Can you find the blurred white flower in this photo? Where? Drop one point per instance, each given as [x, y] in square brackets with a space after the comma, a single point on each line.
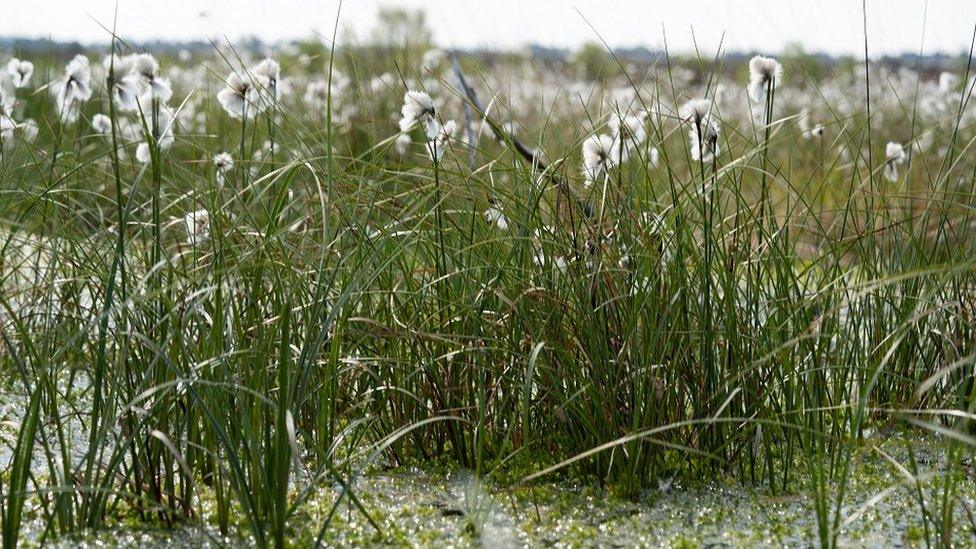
[495, 217]
[101, 124]
[20, 72]
[721, 90]
[628, 133]
[894, 156]
[418, 108]
[948, 82]
[142, 153]
[443, 137]
[653, 157]
[161, 126]
[598, 156]
[806, 130]
[72, 89]
[624, 262]
[224, 162]
[239, 98]
[319, 92]
[696, 110]
[125, 86]
[7, 122]
[924, 142]
[197, 224]
[28, 128]
[630, 128]
[540, 259]
[383, 82]
[146, 68]
[704, 141]
[267, 73]
[129, 129]
[7, 127]
[704, 131]
[765, 73]
[316, 94]
[160, 123]
[402, 144]
[69, 112]
[432, 60]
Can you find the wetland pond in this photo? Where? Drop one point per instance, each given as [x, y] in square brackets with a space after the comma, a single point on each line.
[446, 506]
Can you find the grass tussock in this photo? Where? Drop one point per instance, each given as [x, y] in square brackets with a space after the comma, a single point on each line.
[223, 295]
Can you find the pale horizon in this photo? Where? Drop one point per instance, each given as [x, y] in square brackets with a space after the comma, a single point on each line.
[832, 26]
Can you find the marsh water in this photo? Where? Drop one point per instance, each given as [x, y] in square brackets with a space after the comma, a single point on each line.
[416, 508]
[448, 506]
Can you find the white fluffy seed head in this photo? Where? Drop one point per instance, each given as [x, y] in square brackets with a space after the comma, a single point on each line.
[239, 98]
[704, 131]
[894, 152]
[20, 72]
[268, 70]
[704, 140]
[443, 136]
[418, 108]
[142, 153]
[197, 224]
[894, 156]
[806, 129]
[630, 128]
[496, 217]
[145, 65]
[72, 88]
[765, 73]
[101, 124]
[117, 66]
[402, 143]
[696, 110]
[598, 156]
[224, 162]
[267, 73]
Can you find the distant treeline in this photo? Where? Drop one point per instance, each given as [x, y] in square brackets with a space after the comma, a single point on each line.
[640, 54]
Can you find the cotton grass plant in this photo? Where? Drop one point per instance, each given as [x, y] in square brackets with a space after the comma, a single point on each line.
[236, 338]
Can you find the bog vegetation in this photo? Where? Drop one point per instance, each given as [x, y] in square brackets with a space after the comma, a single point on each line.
[232, 281]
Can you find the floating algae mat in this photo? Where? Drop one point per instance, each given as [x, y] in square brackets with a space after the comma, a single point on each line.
[417, 507]
[448, 506]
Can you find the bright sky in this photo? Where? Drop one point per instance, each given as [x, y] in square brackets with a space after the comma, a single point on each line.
[831, 26]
